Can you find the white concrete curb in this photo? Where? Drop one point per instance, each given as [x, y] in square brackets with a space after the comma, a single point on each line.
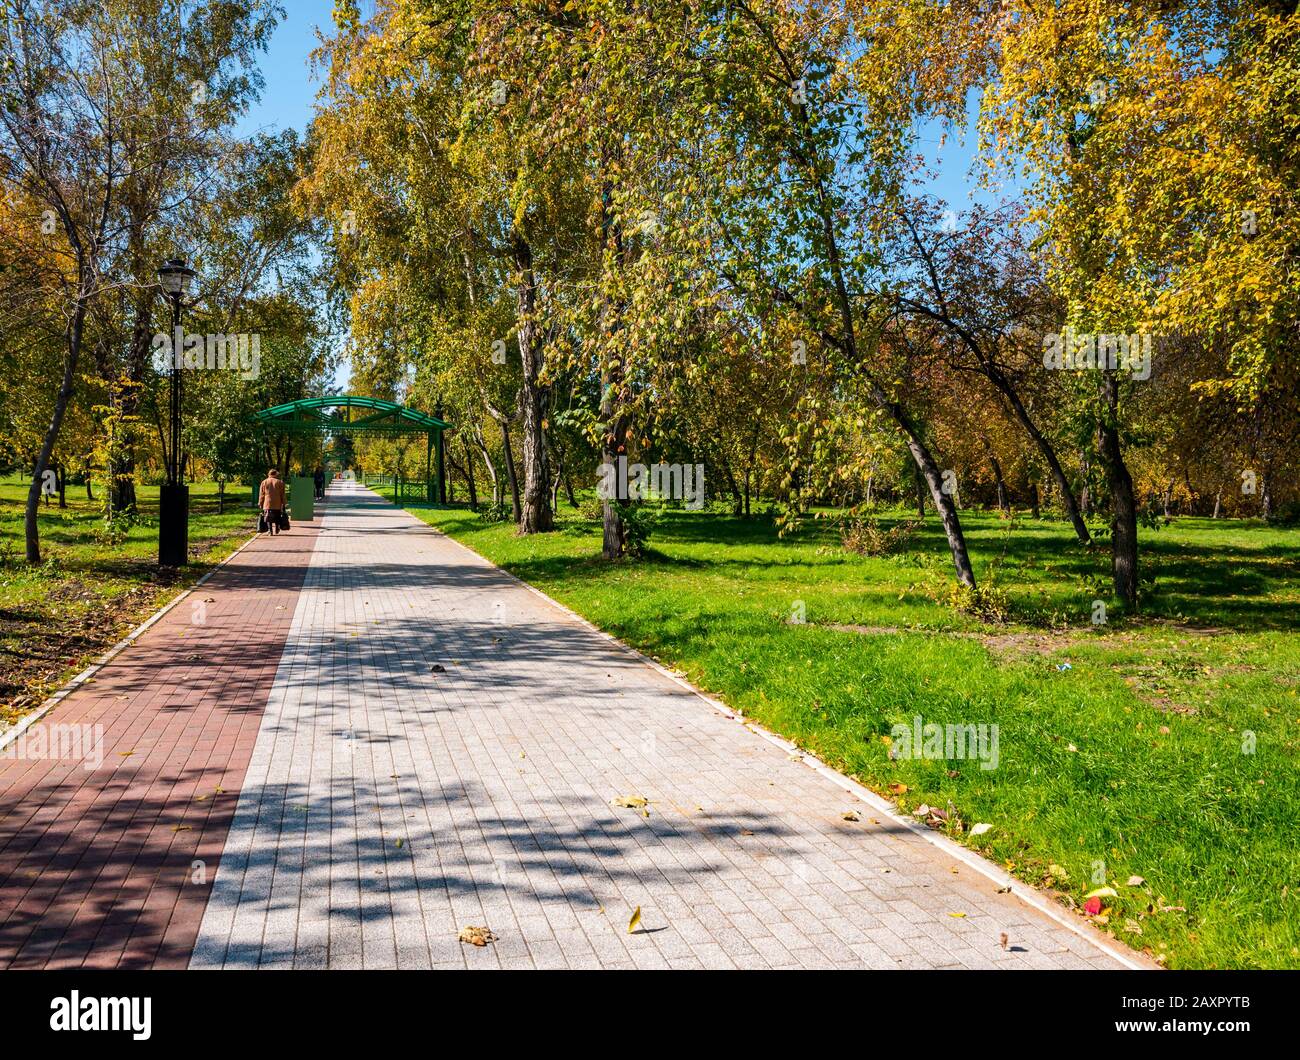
[12, 733]
[1027, 894]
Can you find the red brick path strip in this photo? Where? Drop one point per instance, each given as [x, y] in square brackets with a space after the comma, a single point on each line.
[98, 867]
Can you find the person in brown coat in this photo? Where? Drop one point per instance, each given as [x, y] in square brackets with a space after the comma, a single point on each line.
[270, 498]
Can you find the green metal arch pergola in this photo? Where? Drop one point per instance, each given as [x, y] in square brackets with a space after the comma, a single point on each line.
[331, 415]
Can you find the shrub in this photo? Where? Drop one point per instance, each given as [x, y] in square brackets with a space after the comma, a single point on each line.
[866, 538]
[638, 524]
[987, 602]
[115, 529]
[496, 512]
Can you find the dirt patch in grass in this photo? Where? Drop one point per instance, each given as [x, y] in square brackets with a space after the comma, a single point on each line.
[868, 631]
[39, 649]
[1020, 645]
[1003, 644]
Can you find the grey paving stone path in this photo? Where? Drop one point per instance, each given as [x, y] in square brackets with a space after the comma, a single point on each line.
[387, 805]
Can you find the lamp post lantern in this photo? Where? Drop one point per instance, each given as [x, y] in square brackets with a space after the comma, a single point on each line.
[174, 277]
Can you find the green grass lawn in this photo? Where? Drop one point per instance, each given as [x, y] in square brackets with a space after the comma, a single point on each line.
[1162, 747]
[89, 591]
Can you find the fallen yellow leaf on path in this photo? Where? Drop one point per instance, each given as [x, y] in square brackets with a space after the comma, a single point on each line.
[476, 936]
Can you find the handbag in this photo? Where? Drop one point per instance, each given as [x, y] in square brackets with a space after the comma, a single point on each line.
[261, 523]
[284, 519]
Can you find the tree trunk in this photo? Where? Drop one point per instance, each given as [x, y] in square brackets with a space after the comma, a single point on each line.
[849, 344]
[943, 504]
[928, 470]
[612, 438]
[491, 467]
[555, 486]
[1045, 448]
[612, 531]
[221, 496]
[612, 445]
[510, 469]
[537, 516]
[1124, 543]
[568, 489]
[737, 500]
[996, 468]
[558, 476]
[1218, 503]
[469, 473]
[61, 476]
[920, 494]
[76, 331]
[614, 424]
[751, 461]
[1033, 498]
[119, 463]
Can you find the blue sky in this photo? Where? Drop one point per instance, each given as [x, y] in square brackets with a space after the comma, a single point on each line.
[290, 94]
[951, 161]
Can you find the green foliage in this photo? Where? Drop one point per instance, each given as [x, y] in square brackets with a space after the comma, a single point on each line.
[985, 601]
[639, 522]
[495, 512]
[116, 527]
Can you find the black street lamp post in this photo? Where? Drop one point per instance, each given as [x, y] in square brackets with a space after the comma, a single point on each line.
[174, 276]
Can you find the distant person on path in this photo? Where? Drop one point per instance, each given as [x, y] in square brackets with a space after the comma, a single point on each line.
[270, 498]
[319, 477]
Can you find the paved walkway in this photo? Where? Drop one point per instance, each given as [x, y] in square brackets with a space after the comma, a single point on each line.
[441, 746]
[114, 807]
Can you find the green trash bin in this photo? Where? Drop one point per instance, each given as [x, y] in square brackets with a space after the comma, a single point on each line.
[302, 498]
